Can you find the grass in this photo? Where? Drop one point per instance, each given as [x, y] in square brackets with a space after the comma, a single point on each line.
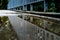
[7, 32]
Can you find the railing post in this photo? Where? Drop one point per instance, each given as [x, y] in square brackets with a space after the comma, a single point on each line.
[31, 7]
[24, 7]
[45, 6]
[23, 16]
[31, 19]
[45, 35]
[45, 24]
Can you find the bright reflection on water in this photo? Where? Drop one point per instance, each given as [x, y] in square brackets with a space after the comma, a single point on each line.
[8, 13]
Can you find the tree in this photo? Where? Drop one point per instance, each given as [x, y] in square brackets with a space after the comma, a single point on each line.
[3, 4]
[57, 5]
[51, 5]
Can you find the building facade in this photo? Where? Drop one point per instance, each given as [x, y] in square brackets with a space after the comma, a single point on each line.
[28, 5]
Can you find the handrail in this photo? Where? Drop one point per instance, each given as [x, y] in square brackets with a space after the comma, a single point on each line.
[51, 14]
[42, 16]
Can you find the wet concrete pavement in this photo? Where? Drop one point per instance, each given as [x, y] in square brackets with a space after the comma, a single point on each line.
[24, 29]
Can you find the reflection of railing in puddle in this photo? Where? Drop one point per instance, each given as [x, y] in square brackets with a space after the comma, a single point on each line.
[48, 29]
[48, 24]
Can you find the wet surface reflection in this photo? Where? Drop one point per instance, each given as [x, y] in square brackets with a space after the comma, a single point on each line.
[48, 24]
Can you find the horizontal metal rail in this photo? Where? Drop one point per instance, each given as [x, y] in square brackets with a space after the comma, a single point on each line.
[42, 16]
[50, 14]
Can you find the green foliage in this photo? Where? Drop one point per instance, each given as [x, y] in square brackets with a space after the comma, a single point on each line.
[3, 4]
[3, 20]
[7, 32]
[52, 7]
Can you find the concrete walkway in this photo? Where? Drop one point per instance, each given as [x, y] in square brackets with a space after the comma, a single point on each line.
[23, 28]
